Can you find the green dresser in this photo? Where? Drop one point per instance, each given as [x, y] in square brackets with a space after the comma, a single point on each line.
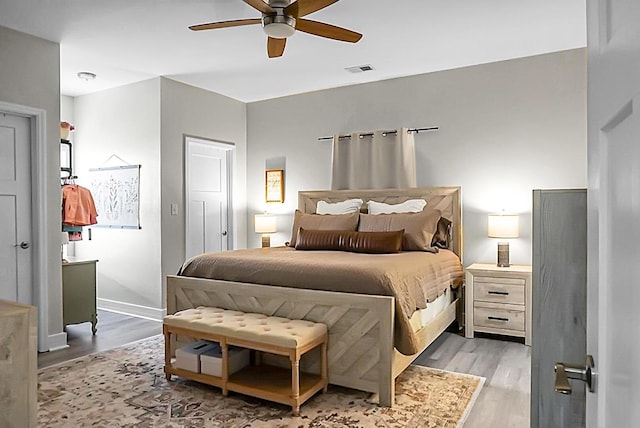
[79, 292]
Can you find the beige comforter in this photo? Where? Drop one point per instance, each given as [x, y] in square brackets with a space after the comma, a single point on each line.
[414, 278]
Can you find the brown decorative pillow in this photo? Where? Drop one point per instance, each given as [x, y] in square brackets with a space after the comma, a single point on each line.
[322, 222]
[442, 237]
[419, 228]
[356, 242]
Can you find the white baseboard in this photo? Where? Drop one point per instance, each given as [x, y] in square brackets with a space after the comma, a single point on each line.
[139, 311]
[57, 341]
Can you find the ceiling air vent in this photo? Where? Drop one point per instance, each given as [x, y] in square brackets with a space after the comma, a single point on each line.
[360, 68]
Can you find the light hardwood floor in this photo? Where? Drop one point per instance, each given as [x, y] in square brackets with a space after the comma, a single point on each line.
[113, 330]
[506, 365]
[503, 402]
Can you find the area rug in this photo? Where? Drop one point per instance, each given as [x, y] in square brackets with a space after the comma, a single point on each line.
[126, 387]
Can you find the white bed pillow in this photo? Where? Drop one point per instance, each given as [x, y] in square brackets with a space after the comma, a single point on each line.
[344, 207]
[410, 206]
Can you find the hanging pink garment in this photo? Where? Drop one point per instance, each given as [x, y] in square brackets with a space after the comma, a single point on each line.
[78, 208]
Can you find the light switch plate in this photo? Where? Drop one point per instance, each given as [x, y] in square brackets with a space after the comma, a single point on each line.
[174, 209]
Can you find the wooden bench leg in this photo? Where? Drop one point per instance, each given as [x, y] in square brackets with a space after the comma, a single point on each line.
[295, 384]
[225, 367]
[325, 367]
[167, 352]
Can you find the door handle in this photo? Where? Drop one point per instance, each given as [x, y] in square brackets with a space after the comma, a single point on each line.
[224, 233]
[566, 371]
[24, 245]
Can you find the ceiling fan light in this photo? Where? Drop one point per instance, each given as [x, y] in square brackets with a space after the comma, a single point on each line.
[279, 26]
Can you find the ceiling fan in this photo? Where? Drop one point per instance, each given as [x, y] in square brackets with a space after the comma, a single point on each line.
[281, 18]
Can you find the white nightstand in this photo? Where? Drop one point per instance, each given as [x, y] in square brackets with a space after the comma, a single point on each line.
[498, 300]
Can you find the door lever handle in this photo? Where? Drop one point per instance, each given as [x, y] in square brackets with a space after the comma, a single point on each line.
[24, 245]
[562, 381]
[566, 371]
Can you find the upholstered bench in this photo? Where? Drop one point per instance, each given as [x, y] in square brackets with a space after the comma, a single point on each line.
[274, 335]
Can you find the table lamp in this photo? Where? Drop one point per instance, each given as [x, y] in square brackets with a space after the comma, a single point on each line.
[503, 226]
[265, 224]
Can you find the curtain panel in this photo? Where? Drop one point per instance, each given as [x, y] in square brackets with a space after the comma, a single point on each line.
[378, 160]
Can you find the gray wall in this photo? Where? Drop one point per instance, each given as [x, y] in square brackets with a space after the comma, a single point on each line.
[505, 128]
[145, 123]
[187, 110]
[67, 111]
[30, 76]
[124, 122]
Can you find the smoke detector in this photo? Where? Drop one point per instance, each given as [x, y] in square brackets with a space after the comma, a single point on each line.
[86, 76]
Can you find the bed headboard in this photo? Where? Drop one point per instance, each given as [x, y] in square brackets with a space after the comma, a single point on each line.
[446, 199]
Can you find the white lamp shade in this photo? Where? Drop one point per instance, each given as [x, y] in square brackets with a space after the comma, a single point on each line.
[504, 226]
[265, 223]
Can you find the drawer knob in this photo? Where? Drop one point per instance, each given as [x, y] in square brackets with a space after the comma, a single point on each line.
[498, 319]
[500, 293]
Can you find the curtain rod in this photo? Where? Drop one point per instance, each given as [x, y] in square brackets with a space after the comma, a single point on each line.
[395, 131]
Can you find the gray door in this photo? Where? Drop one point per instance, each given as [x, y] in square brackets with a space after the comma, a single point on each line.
[15, 209]
[559, 297]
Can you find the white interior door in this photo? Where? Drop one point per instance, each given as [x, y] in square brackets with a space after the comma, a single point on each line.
[613, 321]
[15, 209]
[207, 181]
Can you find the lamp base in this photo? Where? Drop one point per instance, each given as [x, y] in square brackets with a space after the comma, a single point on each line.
[266, 241]
[503, 254]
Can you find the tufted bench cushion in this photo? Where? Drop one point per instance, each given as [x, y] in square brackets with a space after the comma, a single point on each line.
[248, 326]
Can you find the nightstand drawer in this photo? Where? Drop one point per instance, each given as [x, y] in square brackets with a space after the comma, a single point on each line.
[508, 319]
[499, 290]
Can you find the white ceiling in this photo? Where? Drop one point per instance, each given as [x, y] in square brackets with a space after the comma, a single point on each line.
[124, 41]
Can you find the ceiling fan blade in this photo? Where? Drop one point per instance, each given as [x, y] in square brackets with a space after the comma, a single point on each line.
[327, 30]
[225, 24]
[305, 7]
[275, 47]
[260, 5]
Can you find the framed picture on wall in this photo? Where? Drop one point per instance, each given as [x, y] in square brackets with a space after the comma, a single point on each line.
[116, 192]
[274, 185]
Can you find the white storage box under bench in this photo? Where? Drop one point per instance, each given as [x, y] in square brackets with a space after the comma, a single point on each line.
[211, 360]
[188, 356]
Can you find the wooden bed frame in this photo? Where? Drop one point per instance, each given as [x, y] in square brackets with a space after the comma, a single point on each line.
[361, 327]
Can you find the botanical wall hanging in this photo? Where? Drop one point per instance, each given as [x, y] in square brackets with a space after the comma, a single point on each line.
[116, 192]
